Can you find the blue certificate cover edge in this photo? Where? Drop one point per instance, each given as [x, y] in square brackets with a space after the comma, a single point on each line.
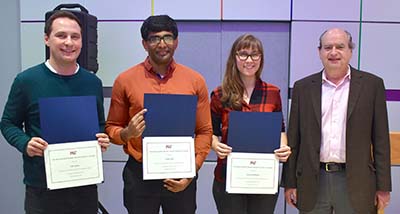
[68, 118]
[255, 132]
[170, 114]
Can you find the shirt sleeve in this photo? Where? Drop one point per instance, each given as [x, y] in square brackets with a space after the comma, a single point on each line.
[100, 106]
[216, 112]
[118, 115]
[380, 139]
[13, 117]
[203, 131]
[279, 108]
[289, 179]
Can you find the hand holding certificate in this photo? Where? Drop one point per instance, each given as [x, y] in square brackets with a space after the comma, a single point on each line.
[168, 157]
[252, 167]
[252, 173]
[73, 164]
[73, 156]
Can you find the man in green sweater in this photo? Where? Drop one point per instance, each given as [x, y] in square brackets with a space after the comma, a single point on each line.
[59, 76]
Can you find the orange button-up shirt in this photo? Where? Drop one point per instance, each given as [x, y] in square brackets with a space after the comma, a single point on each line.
[128, 95]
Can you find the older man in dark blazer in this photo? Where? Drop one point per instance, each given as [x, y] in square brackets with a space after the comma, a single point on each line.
[338, 132]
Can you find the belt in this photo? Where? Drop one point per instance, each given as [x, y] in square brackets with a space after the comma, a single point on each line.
[333, 167]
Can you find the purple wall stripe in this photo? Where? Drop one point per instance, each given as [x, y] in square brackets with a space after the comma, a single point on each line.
[393, 95]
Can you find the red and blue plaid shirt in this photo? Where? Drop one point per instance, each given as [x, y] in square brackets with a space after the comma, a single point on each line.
[265, 98]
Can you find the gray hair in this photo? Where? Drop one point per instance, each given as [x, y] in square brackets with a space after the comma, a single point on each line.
[350, 38]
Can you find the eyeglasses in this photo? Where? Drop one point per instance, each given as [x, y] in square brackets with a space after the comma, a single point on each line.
[243, 56]
[155, 40]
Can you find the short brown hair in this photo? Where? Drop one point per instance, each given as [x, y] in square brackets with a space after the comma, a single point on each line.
[60, 14]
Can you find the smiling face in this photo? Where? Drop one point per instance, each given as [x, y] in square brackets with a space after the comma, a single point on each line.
[64, 41]
[335, 52]
[160, 48]
[248, 61]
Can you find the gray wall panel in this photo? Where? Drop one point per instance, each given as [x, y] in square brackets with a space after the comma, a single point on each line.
[200, 48]
[119, 9]
[379, 52]
[394, 115]
[383, 10]
[110, 192]
[34, 10]
[189, 10]
[32, 36]
[257, 10]
[119, 48]
[339, 10]
[12, 189]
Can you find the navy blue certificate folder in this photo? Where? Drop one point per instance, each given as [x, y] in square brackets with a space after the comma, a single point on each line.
[255, 132]
[68, 119]
[169, 115]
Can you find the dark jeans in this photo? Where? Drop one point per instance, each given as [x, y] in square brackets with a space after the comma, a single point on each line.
[77, 200]
[146, 196]
[242, 203]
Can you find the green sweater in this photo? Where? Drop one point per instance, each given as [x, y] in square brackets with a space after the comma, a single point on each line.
[20, 121]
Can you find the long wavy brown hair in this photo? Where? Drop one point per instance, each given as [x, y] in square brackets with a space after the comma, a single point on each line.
[232, 85]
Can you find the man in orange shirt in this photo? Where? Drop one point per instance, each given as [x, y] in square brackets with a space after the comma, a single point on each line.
[159, 73]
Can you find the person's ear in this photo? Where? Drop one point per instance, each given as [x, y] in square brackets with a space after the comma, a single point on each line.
[46, 40]
[176, 43]
[145, 45]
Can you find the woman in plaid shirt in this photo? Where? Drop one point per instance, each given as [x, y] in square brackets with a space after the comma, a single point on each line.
[242, 90]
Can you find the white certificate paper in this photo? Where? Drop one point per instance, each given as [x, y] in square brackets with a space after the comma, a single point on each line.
[168, 157]
[73, 164]
[252, 173]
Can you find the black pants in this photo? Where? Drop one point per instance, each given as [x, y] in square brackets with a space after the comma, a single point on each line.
[77, 200]
[146, 196]
[242, 203]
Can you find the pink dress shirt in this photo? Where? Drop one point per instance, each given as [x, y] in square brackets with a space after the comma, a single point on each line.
[334, 115]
